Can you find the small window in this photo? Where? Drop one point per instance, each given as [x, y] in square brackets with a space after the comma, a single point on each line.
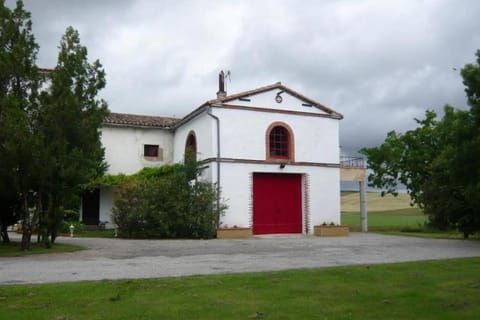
[151, 150]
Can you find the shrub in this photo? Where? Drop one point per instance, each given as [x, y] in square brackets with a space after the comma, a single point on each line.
[71, 215]
[164, 203]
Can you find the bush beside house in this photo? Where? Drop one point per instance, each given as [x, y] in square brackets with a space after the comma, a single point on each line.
[167, 202]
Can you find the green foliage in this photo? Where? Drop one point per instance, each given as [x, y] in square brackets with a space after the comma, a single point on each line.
[404, 158]
[471, 80]
[164, 203]
[19, 83]
[448, 198]
[70, 115]
[108, 180]
[158, 172]
[115, 180]
[49, 138]
[71, 215]
[438, 162]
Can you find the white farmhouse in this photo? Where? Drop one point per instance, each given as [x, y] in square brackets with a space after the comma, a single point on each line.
[273, 152]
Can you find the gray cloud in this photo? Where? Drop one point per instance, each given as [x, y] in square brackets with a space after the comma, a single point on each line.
[379, 63]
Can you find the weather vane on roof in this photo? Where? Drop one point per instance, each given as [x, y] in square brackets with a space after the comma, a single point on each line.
[228, 75]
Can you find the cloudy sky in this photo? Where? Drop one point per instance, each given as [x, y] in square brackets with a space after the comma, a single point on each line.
[379, 63]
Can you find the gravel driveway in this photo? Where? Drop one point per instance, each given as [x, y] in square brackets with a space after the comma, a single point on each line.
[122, 259]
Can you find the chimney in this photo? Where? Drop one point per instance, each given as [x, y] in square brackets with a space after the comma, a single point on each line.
[221, 85]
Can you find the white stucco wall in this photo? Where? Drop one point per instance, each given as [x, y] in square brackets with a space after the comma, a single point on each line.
[243, 135]
[204, 127]
[124, 147]
[267, 100]
[323, 193]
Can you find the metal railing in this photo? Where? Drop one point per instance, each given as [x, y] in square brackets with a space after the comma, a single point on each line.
[352, 162]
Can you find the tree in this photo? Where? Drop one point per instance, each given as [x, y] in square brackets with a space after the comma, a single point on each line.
[49, 142]
[70, 152]
[19, 81]
[438, 162]
[404, 158]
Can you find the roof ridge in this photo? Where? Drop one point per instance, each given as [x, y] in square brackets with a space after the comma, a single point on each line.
[142, 115]
[276, 85]
[245, 93]
[130, 119]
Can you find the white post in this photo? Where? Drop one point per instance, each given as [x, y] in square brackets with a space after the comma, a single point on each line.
[363, 206]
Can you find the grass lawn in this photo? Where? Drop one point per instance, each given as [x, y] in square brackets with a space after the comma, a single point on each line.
[12, 249]
[443, 289]
[394, 219]
[108, 233]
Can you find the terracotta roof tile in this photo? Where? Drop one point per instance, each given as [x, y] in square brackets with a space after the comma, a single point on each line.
[140, 120]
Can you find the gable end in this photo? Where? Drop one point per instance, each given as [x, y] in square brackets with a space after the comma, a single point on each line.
[276, 86]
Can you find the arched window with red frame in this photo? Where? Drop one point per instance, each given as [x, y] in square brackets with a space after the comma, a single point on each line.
[279, 142]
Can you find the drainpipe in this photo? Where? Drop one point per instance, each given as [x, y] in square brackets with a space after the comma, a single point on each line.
[217, 120]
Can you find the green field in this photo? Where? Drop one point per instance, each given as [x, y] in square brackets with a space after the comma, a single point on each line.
[350, 202]
[444, 289]
[387, 213]
[392, 215]
[403, 219]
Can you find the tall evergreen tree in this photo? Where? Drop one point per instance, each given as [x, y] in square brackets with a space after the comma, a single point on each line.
[69, 121]
[19, 82]
[49, 142]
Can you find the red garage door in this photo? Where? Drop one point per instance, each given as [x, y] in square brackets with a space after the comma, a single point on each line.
[277, 203]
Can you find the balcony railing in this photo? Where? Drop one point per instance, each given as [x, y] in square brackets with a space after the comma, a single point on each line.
[352, 162]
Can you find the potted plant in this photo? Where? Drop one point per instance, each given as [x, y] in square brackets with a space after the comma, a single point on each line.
[330, 230]
[234, 232]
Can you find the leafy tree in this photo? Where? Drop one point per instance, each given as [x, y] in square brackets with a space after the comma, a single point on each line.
[438, 162]
[404, 158]
[19, 82]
